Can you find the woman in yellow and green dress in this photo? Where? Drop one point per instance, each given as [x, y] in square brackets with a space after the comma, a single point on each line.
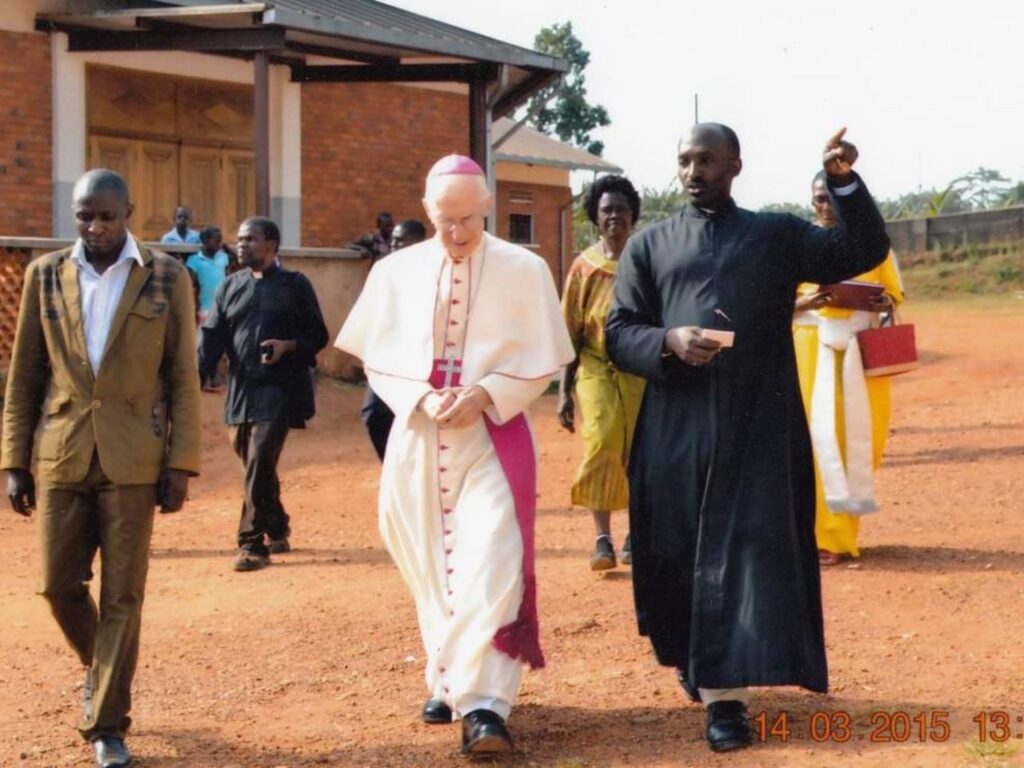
[609, 399]
[836, 530]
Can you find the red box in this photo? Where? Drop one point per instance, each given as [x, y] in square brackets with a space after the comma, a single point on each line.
[888, 350]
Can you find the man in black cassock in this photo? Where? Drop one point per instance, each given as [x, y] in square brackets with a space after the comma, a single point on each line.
[725, 566]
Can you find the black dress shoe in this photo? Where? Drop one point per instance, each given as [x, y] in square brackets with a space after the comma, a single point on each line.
[484, 733]
[728, 726]
[436, 712]
[110, 752]
[691, 692]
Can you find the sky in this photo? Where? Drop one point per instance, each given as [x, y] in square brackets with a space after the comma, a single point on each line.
[928, 91]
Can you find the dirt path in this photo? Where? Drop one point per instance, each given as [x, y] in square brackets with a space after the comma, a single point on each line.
[317, 660]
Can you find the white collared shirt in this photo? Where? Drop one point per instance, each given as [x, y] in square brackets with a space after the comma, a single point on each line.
[101, 294]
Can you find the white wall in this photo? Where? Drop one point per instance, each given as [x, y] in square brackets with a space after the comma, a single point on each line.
[20, 15]
[70, 137]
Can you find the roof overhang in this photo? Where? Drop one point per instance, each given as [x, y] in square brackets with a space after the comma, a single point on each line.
[569, 165]
[372, 43]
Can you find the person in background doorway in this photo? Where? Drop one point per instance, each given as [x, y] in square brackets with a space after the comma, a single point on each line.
[181, 233]
[209, 264]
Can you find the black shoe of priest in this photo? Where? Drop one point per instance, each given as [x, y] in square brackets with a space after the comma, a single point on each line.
[728, 726]
[436, 712]
[484, 733]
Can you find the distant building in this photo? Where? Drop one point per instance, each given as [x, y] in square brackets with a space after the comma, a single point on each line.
[533, 195]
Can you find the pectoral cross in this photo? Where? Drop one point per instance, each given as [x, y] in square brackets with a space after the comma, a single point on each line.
[451, 368]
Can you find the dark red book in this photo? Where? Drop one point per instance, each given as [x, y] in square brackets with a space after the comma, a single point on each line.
[853, 294]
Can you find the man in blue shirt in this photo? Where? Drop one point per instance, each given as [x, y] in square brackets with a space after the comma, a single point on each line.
[181, 234]
[209, 265]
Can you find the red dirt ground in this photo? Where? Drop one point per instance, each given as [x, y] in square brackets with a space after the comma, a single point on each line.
[317, 660]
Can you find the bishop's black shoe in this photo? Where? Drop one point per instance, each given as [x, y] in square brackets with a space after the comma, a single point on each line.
[728, 726]
[484, 733]
[436, 712]
[691, 692]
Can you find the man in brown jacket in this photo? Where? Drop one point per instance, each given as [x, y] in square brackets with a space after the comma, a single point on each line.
[104, 357]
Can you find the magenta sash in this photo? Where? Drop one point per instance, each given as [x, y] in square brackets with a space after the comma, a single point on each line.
[514, 446]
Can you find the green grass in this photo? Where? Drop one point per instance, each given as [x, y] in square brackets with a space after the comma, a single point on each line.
[992, 754]
[983, 270]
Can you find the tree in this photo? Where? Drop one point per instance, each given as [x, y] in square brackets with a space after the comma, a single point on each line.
[926, 203]
[983, 188]
[800, 211]
[660, 204]
[563, 109]
[1013, 196]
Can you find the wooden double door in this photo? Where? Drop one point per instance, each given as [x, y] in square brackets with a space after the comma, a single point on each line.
[178, 141]
[218, 184]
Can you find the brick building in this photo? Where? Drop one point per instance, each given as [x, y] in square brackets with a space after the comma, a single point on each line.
[168, 92]
[319, 113]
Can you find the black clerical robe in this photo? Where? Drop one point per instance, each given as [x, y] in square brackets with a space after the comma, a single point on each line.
[725, 566]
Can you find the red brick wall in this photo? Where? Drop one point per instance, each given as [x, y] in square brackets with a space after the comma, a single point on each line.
[547, 201]
[367, 148]
[26, 161]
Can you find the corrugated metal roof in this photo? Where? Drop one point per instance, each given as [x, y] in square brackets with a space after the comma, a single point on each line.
[375, 22]
[379, 38]
[528, 145]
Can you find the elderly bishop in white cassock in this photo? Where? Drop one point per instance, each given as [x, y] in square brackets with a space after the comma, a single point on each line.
[458, 335]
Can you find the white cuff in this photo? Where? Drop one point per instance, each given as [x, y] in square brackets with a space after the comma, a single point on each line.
[849, 189]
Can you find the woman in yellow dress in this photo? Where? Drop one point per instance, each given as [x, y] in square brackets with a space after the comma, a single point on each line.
[609, 399]
[835, 530]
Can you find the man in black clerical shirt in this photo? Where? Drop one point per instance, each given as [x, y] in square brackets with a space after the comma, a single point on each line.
[725, 565]
[375, 413]
[267, 319]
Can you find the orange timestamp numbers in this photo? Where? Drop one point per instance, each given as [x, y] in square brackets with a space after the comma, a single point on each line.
[839, 726]
[998, 725]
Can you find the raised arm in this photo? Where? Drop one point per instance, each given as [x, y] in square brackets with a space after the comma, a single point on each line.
[859, 241]
[856, 244]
